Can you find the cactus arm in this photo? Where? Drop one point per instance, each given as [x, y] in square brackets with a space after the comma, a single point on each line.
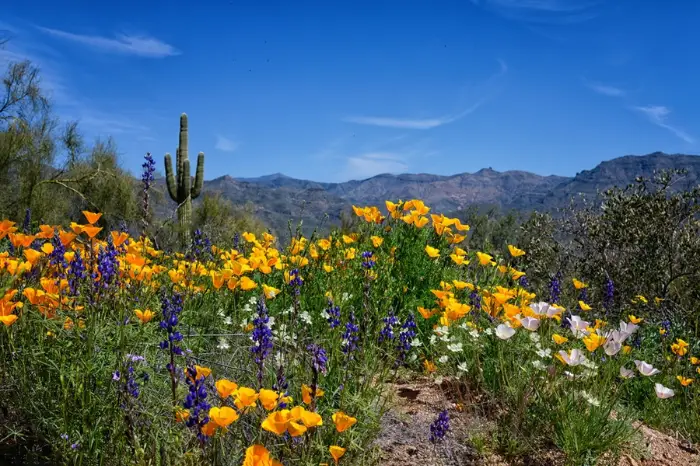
[170, 178]
[199, 177]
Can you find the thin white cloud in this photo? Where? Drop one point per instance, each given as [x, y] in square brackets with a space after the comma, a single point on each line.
[224, 144]
[142, 46]
[407, 123]
[605, 89]
[658, 114]
[541, 5]
[543, 11]
[429, 123]
[373, 163]
[55, 80]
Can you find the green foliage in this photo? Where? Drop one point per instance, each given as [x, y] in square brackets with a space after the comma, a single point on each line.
[646, 238]
[219, 219]
[31, 147]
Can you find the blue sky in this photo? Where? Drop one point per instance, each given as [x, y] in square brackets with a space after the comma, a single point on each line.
[340, 90]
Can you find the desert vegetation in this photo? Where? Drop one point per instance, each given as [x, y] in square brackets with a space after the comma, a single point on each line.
[130, 336]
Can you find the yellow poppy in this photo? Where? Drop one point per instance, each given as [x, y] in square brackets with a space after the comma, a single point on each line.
[223, 417]
[92, 217]
[342, 421]
[144, 316]
[336, 452]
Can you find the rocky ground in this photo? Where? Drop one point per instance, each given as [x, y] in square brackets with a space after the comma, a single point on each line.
[404, 438]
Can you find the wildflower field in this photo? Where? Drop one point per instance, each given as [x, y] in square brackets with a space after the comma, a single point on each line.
[115, 352]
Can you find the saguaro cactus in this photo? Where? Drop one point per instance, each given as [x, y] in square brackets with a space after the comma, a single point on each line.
[180, 184]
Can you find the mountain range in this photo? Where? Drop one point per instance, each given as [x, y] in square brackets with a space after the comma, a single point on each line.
[277, 198]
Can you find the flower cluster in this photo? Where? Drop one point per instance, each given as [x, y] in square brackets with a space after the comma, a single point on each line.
[76, 273]
[333, 313]
[319, 358]
[130, 385]
[107, 265]
[367, 261]
[295, 281]
[201, 246]
[350, 337]
[261, 336]
[475, 300]
[387, 332]
[440, 427]
[147, 177]
[196, 403]
[555, 288]
[171, 308]
[57, 257]
[406, 335]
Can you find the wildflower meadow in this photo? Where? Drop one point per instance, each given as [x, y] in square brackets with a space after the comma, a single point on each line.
[116, 352]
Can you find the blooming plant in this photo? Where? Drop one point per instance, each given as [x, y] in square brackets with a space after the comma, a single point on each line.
[263, 354]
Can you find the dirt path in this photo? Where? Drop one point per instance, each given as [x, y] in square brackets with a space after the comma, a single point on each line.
[404, 438]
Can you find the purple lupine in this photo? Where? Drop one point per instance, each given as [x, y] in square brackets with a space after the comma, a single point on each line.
[524, 282]
[555, 288]
[201, 247]
[319, 358]
[281, 385]
[475, 300]
[609, 297]
[295, 281]
[333, 314]
[406, 335]
[262, 337]
[129, 385]
[387, 333]
[666, 325]
[27, 221]
[196, 403]
[319, 362]
[57, 257]
[439, 427]
[76, 273]
[171, 308]
[147, 177]
[367, 262]
[350, 337]
[107, 265]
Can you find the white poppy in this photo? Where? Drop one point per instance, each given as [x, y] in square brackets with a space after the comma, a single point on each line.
[628, 328]
[574, 358]
[645, 368]
[540, 308]
[626, 373]
[663, 392]
[612, 347]
[505, 331]
[578, 326]
[530, 323]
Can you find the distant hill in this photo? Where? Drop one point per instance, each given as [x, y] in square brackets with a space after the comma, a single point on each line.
[278, 198]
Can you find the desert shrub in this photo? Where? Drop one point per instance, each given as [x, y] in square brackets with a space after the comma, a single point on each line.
[646, 239]
[219, 219]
